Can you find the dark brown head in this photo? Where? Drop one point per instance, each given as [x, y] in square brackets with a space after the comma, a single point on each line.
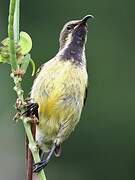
[72, 40]
[74, 31]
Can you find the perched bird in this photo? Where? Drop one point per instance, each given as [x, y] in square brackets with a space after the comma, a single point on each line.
[60, 90]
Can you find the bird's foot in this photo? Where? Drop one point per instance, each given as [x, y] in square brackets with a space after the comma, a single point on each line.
[37, 167]
[19, 104]
[31, 110]
[17, 117]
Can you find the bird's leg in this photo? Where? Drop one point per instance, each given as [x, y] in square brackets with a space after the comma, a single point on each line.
[41, 165]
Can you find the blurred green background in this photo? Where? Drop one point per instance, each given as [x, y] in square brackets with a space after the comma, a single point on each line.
[103, 144]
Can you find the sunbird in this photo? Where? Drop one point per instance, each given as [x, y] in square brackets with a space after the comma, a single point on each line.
[60, 90]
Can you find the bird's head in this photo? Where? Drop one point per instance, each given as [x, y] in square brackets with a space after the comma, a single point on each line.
[74, 31]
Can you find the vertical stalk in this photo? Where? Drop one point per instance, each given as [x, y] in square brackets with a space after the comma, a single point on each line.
[16, 21]
[13, 33]
[28, 154]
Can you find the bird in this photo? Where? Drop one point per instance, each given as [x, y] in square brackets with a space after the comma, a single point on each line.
[59, 91]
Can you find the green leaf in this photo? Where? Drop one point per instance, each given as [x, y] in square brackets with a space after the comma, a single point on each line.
[25, 43]
[27, 59]
[5, 42]
[4, 58]
[33, 67]
[25, 63]
[1, 59]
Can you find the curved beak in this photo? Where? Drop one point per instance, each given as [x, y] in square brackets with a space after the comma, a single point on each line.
[84, 20]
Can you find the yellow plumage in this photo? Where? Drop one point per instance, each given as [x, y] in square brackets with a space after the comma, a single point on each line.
[59, 90]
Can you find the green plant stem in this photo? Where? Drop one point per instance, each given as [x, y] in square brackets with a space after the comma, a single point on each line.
[16, 21]
[11, 35]
[27, 126]
[13, 28]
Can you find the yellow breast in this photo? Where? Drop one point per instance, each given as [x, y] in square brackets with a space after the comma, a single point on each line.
[59, 90]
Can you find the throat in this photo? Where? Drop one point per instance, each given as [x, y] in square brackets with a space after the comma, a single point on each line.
[73, 51]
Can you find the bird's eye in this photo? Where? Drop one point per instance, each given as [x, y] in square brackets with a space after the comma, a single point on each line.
[69, 28]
